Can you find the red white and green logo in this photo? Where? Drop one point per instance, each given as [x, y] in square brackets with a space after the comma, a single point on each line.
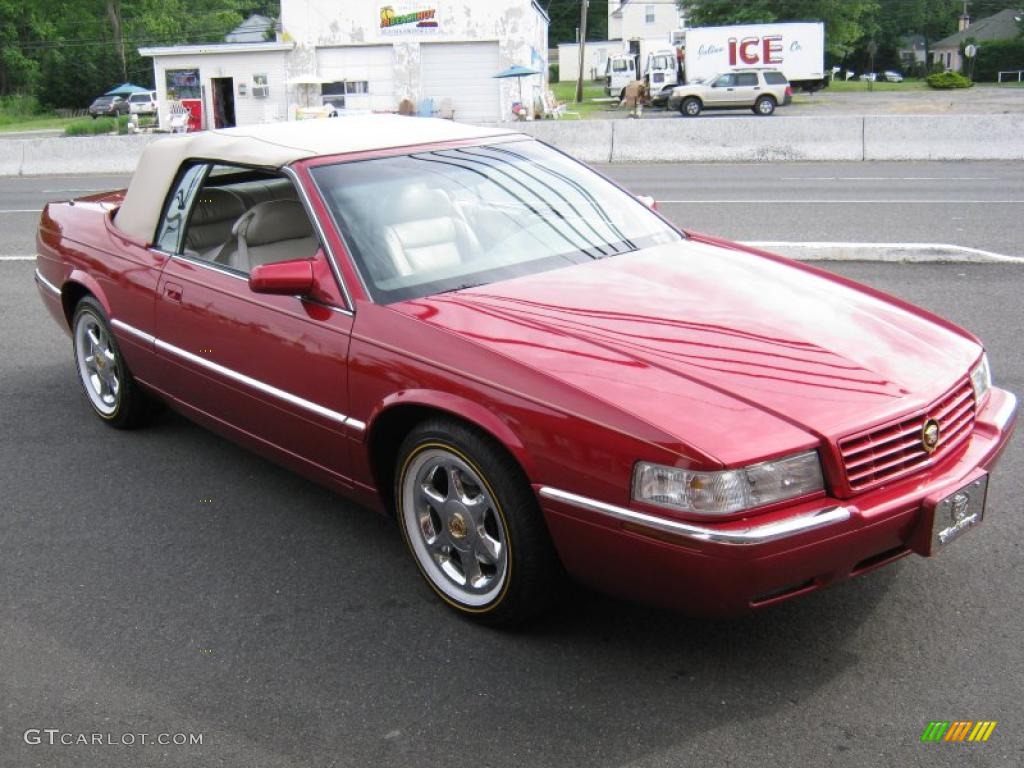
[958, 730]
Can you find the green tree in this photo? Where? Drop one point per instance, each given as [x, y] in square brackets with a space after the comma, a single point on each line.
[66, 52]
[846, 21]
[565, 20]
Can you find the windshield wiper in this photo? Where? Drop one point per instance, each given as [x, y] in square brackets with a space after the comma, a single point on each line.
[462, 287]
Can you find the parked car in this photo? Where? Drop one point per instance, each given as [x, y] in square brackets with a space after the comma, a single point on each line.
[108, 106]
[760, 90]
[892, 77]
[143, 103]
[530, 368]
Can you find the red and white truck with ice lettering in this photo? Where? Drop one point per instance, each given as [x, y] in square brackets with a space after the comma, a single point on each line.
[797, 50]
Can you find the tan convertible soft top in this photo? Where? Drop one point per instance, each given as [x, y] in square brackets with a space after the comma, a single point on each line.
[273, 146]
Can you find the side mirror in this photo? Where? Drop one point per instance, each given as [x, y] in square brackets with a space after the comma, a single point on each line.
[649, 201]
[287, 278]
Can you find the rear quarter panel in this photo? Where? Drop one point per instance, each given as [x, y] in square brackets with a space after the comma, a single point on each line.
[81, 251]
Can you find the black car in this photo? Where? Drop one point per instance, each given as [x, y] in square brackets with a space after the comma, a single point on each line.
[109, 106]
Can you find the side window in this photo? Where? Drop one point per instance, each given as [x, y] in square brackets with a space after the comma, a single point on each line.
[746, 80]
[725, 81]
[176, 212]
[775, 78]
[242, 218]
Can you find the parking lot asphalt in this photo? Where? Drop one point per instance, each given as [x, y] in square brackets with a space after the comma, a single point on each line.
[983, 99]
[167, 581]
[969, 204]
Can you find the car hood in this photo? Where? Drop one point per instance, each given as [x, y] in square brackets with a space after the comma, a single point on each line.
[694, 330]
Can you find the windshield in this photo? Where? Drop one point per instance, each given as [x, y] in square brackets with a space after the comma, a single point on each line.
[139, 97]
[661, 62]
[439, 221]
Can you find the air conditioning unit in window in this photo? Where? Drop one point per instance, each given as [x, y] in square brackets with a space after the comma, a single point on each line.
[260, 91]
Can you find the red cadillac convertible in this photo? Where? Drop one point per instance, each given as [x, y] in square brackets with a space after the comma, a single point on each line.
[531, 369]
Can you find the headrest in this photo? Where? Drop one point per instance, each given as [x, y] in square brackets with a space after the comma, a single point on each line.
[417, 203]
[213, 205]
[273, 221]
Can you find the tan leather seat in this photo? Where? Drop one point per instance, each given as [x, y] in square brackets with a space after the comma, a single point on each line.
[213, 216]
[276, 230]
[426, 232]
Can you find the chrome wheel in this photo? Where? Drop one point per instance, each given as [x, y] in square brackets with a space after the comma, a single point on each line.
[454, 526]
[765, 106]
[98, 363]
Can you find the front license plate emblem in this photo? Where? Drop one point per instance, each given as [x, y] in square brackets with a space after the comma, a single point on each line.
[958, 512]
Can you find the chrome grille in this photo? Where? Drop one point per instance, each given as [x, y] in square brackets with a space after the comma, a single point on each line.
[891, 451]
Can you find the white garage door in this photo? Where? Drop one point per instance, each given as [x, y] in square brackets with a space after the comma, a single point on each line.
[463, 73]
[368, 72]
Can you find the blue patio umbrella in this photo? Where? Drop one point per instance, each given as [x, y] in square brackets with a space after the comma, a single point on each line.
[126, 89]
[518, 72]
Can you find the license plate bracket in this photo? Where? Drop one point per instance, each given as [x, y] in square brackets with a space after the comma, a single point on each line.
[955, 513]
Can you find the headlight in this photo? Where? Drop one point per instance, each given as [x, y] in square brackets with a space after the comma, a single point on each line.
[981, 378]
[720, 493]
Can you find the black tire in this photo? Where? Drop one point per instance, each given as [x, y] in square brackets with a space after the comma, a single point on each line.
[443, 535]
[622, 95]
[690, 107]
[764, 106]
[128, 407]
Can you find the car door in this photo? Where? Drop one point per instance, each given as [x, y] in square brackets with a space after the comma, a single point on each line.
[746, 90]
[271, 368]
[722, 91]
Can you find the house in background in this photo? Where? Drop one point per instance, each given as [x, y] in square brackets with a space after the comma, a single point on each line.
[1004, 25]
[255, 29]
[912, 51]
[633, 20]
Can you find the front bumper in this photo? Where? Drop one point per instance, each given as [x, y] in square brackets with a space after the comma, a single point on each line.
[730, 568]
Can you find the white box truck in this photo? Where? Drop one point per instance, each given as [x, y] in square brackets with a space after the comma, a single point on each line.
[797, 50]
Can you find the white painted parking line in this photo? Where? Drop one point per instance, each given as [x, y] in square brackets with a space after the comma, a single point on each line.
[21, 210]
[818, 201]
[888, 178]
[824, 251]
[17, 258]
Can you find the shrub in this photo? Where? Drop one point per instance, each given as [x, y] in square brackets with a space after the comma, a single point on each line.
[998, 55]
[948, 80]
[552, 73]
[19, 106]
[97, 127]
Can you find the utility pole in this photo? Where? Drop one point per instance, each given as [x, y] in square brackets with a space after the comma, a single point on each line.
[583, 43]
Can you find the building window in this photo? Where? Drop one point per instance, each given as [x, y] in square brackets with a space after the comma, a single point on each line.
[648, 14]
[333, 94]
[260, 86]
[182, 84]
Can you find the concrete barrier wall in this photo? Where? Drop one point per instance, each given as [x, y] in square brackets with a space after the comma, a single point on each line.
[81, 154]
[586, 140]
[670, 139]
[737, 139]
[12, 153]
[944, 137]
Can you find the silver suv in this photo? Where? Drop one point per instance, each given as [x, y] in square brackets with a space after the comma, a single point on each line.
[760, 90]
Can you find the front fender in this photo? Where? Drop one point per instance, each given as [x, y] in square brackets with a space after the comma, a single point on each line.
[462, 408]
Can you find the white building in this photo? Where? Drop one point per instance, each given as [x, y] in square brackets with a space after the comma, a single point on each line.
[633, 20]
[367, 55]
[595, 54]
[633, 27]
